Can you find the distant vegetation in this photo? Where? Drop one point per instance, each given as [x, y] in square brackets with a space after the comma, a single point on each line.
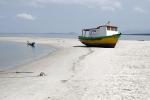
[137, 34]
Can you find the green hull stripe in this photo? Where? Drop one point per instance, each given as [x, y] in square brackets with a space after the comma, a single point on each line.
[97, 38]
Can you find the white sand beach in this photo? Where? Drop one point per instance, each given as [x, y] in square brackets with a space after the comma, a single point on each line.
[76, 72]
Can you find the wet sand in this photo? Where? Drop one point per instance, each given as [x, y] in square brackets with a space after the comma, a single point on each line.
[75, 72]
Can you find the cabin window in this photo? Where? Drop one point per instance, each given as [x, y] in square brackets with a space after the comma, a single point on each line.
[112, 28]
[108, 28]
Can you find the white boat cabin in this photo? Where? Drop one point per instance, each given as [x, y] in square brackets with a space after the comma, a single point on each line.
[105, 30]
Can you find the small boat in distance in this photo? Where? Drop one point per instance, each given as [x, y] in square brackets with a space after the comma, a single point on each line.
[32, 44]
[102, 36]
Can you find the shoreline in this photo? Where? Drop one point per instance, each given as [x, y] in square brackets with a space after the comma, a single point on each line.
[42, 41]
[27, 61]
[77, 72]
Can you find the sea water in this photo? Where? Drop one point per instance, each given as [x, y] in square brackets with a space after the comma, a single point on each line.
[141, 36]
[135, 37]
[16, 53]
[47, 35]
[13, 53]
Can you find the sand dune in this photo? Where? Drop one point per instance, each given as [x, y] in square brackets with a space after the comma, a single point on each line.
[75, 72]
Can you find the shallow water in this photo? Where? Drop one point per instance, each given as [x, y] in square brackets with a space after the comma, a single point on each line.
[135, 37]
[71, 35]
[47, 35]
[13, 53]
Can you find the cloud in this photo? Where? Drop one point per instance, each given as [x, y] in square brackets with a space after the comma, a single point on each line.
[116, 5]
[1, 17]
[25, 16]
[103, 4]
[139, 9]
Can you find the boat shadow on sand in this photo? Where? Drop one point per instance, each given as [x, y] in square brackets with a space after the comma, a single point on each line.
[82, 46]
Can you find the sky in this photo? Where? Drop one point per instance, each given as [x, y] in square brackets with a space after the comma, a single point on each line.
[63, 16]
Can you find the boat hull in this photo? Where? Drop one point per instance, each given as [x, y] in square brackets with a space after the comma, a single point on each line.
[107, 41]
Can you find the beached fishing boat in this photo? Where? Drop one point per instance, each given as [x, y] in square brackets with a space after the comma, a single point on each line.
[102, 36]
